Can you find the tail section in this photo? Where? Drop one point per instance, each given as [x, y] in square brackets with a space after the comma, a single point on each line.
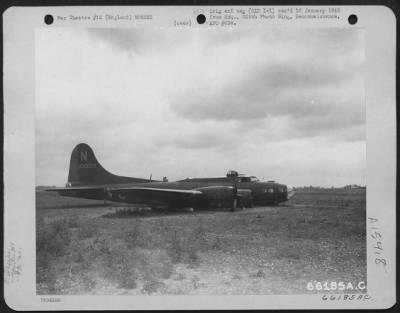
[84, 169]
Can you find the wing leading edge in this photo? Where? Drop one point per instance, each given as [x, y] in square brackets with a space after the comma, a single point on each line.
[199, 197]
[159, 197]
[145, 195]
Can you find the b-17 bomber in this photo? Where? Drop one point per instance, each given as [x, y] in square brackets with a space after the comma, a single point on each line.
[88, 179]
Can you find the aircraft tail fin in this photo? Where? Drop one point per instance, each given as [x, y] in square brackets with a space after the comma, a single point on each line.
[84, 169]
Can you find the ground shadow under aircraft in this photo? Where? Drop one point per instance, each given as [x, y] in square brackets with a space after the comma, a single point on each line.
[144, 212]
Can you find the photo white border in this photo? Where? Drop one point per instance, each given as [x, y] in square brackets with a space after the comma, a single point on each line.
[19, 24]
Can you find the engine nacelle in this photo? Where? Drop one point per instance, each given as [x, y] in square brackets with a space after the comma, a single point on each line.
[245, 198]
[217, 196]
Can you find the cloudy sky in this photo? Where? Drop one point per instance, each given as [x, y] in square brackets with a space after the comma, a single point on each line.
[277, 103]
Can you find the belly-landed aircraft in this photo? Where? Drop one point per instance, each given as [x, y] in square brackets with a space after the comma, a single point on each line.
[88, 179]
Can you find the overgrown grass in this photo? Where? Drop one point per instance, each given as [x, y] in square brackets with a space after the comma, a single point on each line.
[138, 254]
[88, 231]
[286, 245]
[53, 239]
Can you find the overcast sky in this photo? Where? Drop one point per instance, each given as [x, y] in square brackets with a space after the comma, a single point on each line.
[280, 104]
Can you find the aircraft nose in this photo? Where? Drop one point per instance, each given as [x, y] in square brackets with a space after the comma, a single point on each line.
[290, 192]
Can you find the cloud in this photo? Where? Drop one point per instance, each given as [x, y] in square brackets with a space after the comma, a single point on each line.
[258, 97]
[318, 86]
[139, 40]
[201, 141]
[199, 136]
[126, 39]
[275, 103]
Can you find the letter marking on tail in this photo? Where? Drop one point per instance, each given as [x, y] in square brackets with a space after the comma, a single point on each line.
[83, 156]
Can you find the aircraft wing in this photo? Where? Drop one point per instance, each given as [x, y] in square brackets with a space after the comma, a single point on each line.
[76, 188]
[207, 196]
[162, 190]
[164, 197]
[131, 194]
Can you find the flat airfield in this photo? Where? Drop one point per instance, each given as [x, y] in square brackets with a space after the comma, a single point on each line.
[87, 247]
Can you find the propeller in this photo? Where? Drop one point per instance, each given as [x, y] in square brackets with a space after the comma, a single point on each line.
[235, 197]
[105, 195]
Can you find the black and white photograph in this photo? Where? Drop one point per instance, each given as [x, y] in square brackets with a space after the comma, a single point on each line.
[210, 152]
[200, 162]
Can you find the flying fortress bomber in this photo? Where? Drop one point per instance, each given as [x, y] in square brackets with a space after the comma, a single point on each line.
[88, 179]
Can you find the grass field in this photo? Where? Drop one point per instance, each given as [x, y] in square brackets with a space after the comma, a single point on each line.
[86, 247]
